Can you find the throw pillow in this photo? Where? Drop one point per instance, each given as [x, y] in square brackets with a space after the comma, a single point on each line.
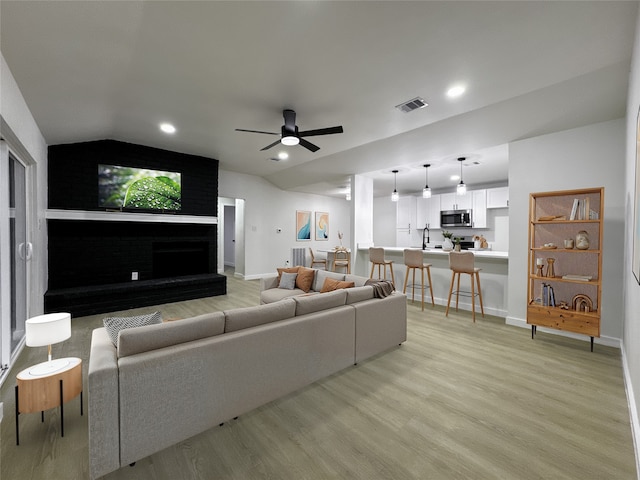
[288, 281]
[304, 280]
[287, 270]
[330, 285]
[115, 324]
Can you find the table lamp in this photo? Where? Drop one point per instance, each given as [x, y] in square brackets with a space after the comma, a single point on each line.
[44, 330]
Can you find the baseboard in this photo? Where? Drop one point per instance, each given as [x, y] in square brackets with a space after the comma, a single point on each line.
[603, 340]
[633, 412]
[462, 305]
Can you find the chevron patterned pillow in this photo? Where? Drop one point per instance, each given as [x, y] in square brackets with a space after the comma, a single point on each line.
[115, 324]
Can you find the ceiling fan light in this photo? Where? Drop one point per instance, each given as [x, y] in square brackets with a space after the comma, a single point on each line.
[290, 140]
[426, 192]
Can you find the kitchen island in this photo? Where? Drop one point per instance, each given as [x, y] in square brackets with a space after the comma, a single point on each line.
[493, 276]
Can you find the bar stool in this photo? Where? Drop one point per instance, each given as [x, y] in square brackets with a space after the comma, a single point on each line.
[342, 259]
[376, 257]
[464, 262]
[413, 260]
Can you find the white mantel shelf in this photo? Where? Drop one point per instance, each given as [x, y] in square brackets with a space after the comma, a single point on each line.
[54, 214]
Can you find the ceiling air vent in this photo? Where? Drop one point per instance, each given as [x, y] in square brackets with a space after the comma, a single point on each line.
[412, 105]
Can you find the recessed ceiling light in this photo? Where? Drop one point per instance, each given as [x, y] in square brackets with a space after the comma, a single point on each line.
[167, 128]
[455, 177]
[283, 155]
[456, 91]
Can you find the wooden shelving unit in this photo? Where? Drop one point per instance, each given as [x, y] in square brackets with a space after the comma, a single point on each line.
[575, 304]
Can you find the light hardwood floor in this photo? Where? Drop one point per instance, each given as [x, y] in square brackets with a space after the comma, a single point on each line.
[457, 401]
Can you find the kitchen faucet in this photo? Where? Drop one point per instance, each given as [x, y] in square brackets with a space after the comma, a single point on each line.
[426, 230]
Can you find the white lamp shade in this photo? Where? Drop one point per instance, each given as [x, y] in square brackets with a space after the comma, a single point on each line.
[48, 329]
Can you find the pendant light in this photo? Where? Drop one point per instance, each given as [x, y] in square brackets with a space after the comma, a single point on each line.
[394, 195]
[462, 188]
[426, 191]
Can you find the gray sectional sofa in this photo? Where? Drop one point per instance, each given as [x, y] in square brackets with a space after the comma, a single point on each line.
[167, 382]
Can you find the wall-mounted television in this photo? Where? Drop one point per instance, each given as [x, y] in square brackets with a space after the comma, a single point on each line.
[138, 189]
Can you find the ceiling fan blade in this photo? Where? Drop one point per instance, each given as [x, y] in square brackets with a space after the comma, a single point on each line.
[256, 131]
[321, 131]
[289, 120]
[269, 146]
[309, 145]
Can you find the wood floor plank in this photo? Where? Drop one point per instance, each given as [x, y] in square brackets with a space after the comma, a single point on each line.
[458, 400]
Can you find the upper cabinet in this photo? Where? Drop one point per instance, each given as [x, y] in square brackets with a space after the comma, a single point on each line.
[453, 201]
[406, 213]
[498, 197]
[428, 212]
[479, 208]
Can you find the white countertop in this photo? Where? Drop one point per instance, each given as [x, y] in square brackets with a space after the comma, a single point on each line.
[439, 251]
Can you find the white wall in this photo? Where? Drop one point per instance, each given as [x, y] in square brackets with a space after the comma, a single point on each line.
[631, 326]
[384, 224]
[591, 156]
[268, 208]
[361, 212]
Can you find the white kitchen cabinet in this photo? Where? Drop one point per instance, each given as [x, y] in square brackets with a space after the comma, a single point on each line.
[498, 197]
[403, 238]
[479, 208]
[428, 211]
[406, 213]
[453, 201]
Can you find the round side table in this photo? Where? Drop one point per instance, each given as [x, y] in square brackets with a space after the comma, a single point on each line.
[39, 389]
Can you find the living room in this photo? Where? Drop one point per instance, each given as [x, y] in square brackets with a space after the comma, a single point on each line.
[599, 152]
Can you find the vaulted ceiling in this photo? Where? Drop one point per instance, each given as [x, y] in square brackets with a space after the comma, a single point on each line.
[100, 69]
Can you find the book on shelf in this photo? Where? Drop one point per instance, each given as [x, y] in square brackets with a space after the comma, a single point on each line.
[548, 295]
[582, 278]
[574, 209]
[586, 207]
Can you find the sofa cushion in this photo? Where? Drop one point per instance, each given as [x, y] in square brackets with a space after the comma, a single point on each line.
[356, 279]
[330, 285]
[151, 337]
[314, 303]
[288, 281]
[321, 275]
[359, 294]
[305, 277]
[115, 324]
[241, 318]
[287, 270]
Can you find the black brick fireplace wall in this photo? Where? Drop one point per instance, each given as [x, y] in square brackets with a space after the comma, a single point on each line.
[91, 262]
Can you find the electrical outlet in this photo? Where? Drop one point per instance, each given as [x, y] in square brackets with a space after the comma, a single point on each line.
[134, 275]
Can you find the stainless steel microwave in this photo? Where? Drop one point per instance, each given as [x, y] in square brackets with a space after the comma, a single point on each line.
[456, 218]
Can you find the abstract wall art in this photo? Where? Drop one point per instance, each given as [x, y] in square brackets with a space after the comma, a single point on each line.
[322, 226]
[303, 225]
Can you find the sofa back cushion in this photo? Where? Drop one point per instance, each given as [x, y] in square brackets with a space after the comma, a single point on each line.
[241, 318]
[359, 294]
[323, 301]
[321, 275]
[151, 337]
[356, 279]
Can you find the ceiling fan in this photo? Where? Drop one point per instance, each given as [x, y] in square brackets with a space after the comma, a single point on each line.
[290, 135]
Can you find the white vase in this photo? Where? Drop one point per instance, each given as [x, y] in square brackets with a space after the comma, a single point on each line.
[447, 245]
